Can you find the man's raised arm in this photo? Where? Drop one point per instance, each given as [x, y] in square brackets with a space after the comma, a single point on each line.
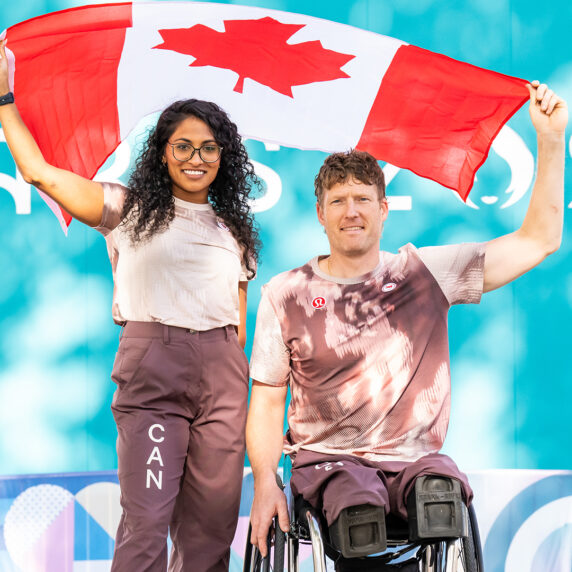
[264, 444]
[511, 255]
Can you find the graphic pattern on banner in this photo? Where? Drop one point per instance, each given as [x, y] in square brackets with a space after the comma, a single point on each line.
[67, 523]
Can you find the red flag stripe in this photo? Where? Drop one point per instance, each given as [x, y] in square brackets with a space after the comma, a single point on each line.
[433, 113]
[75, 20]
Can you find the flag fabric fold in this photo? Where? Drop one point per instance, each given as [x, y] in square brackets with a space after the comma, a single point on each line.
[84, 77]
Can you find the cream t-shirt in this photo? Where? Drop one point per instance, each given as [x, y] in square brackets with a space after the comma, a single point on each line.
[186, 276]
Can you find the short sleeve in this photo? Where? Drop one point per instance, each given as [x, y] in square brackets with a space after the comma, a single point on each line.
[113, 199]
[458, 269]
[270, 359]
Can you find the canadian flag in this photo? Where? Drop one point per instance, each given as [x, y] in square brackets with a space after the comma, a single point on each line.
[84, 77]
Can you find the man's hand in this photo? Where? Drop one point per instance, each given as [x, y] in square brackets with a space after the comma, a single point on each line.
[549, 113]
[268, 502]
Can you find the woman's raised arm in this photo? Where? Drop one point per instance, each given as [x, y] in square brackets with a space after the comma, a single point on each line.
[80, 197]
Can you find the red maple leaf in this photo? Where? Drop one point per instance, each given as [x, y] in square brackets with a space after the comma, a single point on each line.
[257, 49]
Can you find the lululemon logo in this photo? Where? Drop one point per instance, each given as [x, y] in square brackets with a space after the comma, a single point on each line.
[319, 302]
[389, 287]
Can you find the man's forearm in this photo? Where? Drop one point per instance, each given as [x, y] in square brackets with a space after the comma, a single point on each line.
[544, 218]
[508, 257]
[264, 444]
[264, 430]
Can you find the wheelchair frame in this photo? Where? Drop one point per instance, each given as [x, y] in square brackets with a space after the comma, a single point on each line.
[308, 527]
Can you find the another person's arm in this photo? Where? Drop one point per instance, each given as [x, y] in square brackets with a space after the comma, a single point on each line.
[270, 365]
[79, 196]
[242, 297]
[510, 256]
[264, 444]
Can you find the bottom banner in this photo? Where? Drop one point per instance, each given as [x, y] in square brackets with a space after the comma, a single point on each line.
[67, 523]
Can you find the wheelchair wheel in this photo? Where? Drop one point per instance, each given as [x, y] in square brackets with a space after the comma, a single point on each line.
[471, 552]
[253, 560]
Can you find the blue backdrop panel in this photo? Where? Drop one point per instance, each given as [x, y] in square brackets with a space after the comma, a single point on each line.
[510, 355]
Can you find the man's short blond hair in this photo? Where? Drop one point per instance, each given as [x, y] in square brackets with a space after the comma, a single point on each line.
[350, 165]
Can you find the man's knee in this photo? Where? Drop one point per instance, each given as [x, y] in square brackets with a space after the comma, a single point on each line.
[435, 508]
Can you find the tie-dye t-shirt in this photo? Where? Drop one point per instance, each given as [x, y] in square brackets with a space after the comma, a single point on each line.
[367, 358]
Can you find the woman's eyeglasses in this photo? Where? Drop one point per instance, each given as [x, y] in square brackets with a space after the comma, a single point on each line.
[209, 152]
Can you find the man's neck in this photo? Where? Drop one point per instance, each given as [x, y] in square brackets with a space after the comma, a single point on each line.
[340, 266]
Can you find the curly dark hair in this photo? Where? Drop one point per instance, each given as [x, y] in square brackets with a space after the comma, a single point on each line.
[339, 167]
[149, 203]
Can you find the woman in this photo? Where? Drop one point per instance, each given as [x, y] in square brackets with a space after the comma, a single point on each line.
[182, 244]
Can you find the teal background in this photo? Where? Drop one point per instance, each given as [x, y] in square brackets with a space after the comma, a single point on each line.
[510, 355]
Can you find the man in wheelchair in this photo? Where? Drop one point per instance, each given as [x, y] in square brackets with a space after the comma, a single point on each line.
[360, 337]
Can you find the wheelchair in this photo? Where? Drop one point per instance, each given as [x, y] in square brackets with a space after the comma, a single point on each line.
[402, 553]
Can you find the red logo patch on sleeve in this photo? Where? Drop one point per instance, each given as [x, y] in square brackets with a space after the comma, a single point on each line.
[318, 302]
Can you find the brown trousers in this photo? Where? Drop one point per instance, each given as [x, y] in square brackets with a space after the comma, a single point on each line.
[180, 409]
[331, 483]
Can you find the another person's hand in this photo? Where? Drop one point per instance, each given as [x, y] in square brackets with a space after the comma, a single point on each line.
[268, 502]
[549, 113]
